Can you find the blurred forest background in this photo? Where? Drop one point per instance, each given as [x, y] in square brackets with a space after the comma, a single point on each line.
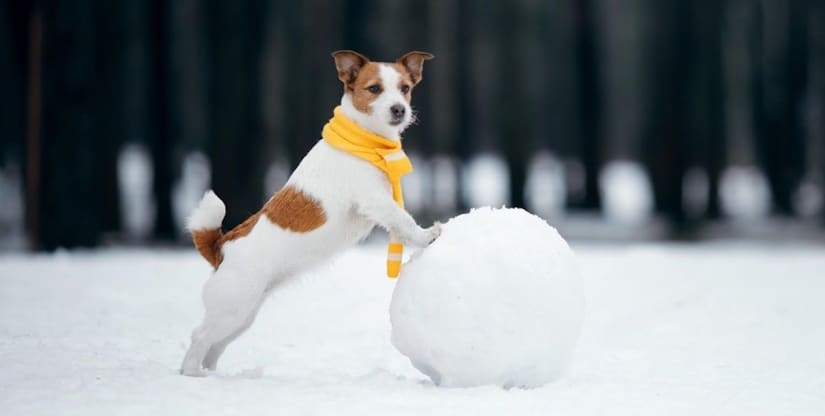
[613, 119]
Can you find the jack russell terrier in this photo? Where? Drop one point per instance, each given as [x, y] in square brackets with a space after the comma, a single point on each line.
[348, 183]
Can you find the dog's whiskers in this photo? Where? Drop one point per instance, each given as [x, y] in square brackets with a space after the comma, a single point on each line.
[413, 116]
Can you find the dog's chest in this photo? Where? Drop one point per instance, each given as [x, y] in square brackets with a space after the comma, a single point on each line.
[339, 179]
[340, 182]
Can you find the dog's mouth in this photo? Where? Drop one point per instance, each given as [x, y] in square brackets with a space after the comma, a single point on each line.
[395, 122]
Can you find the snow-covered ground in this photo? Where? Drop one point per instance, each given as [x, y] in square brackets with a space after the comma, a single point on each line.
[714, 329]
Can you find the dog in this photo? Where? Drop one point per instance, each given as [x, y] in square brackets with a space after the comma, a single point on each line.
[331, 201]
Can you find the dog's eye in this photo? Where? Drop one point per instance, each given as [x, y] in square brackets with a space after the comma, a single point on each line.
[375, 89]
[405, 89]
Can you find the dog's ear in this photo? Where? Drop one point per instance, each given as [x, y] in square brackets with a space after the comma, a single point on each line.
[349, 63]
[414, 62]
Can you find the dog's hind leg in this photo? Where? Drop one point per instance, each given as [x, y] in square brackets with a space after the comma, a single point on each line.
[230, 299]
[210, 362]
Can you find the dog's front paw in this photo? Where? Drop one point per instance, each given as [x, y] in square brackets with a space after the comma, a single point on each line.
[433, 233]
[423, 237]
[193, 372]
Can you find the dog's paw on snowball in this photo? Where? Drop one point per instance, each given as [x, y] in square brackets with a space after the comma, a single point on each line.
[193, 373]
[434, 232]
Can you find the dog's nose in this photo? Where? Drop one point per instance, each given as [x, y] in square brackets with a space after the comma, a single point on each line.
[398, 111]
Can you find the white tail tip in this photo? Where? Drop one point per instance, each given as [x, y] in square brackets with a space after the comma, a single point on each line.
[208, 215]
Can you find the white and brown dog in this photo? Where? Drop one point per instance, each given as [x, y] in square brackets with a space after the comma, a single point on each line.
[332, 200]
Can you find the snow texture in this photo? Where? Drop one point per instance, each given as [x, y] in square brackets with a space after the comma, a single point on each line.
[496, 300]
[712, 329]
[209, 214]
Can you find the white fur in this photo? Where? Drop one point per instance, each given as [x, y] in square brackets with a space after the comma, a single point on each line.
[354, 195]
[208, 215]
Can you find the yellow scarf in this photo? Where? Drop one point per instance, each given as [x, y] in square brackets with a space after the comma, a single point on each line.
[385, 154]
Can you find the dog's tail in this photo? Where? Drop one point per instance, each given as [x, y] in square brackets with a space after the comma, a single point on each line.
[205, 226]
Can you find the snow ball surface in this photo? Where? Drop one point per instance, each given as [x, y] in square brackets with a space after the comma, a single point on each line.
[496, 300]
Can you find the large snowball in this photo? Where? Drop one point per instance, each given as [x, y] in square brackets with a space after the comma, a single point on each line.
[497, 299]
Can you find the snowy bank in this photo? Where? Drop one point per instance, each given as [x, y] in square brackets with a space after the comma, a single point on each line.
[723, 329]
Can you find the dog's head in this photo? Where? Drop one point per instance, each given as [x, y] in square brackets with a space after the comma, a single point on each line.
[377, 94]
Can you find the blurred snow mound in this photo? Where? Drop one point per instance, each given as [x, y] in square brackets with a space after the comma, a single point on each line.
[497, 299]
[744, 193]
[546, 187]
[626, 192]
[486, 181]
[135, 177]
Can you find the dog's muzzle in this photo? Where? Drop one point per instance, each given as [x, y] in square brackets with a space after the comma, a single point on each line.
[397, 113]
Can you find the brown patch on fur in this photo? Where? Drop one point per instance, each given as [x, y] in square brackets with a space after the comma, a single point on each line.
[242, 229]
[294, 210]
[290, 209]
[349, 64]
[406, 79]
[362, 97]
[358, 74]
[208, 243]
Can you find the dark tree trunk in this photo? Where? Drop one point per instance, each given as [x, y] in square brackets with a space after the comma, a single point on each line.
[816, 28]
[187, 75]
[709, 105]
[21, 50]
[483, 65]
[588, 100]
[235, 40]
[67, 215]
[461, 146]
[666, 141]
[299, 132]
[783, 81]
[15, 32]
[511, 103]
[111, 65]
[355, 37]
[160, 142]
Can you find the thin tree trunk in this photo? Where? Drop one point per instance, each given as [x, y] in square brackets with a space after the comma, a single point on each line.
[713, 104]
[589, 99]
[514, 128]
[236, 36]
[33, 127]
[160, 141]
[782, 81]
[671, 51]
[111, 66]
[67, 216]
